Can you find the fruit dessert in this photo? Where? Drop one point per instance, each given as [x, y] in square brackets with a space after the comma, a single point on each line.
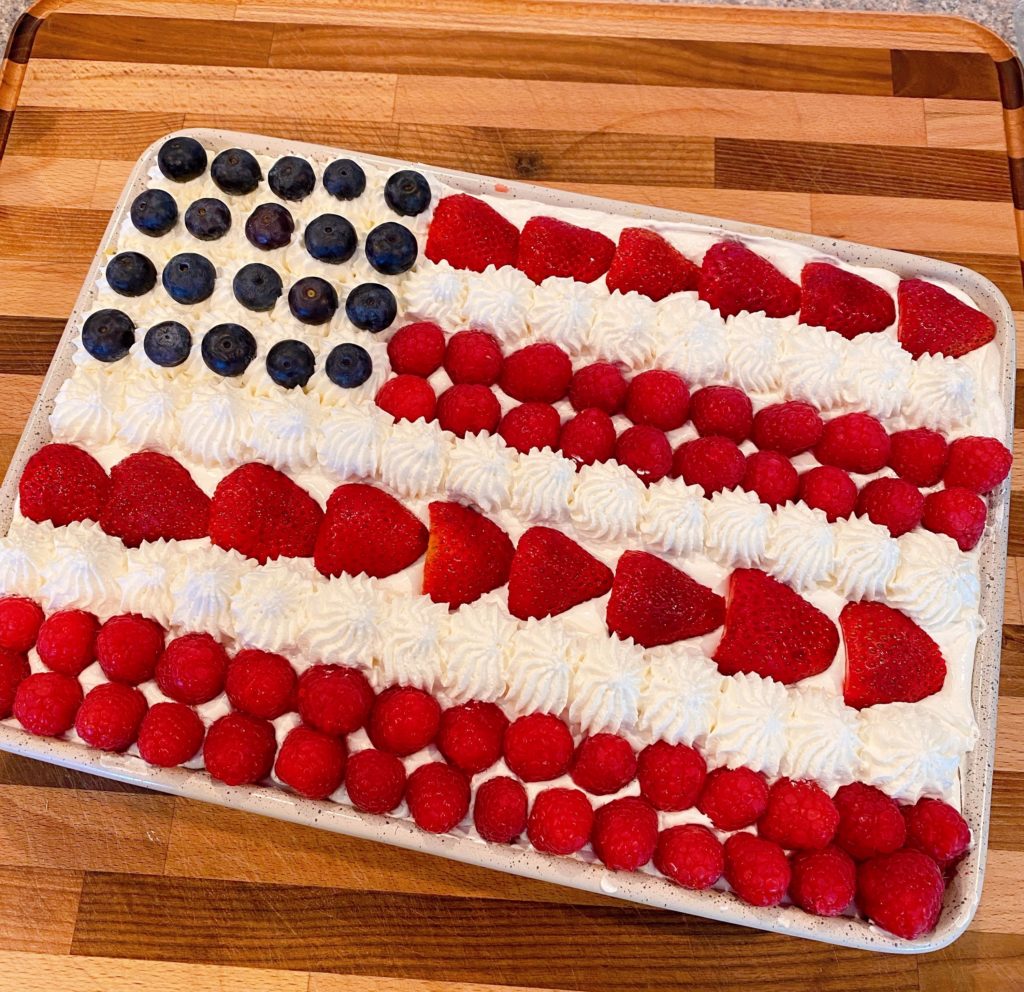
[620, 540]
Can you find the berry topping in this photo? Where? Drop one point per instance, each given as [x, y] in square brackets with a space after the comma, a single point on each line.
[977, 463]
[722, 410]
[550, 247]
[260, 683]
[733, 798]
[691, 855]
[348, 365]
[20, 620]
[312, 300]
[756, 869]
[291, 178]
[671, 776]
[236, 171]
[417, 349]
[330, 238]
[290, 363]
[646, 263]
[67, 641]
[560, 821]
[14, 669]
[713, 463]
[892, 503]
[239, 749]
[208, 219]
[110, 716]
[189, 278]
[438, 797]
[588, 437]
[128, 648]
[659, 399]
[108, 335]
[788, 428]
[918, 455]
[829, 489]
[603, 764]
[646, 451]
[257, 287]
[935, 322]
[192, 669]
[957, 513]
[600, 385]
[539, 372]
[538, 747]
[473, 357]
[734, 279]
[403, 720]
[466, 409]
[171, 734]
[901, 892]
[799, 815]
[499, 810]
[843, 301]
[938, 830]
[823, 882]
[45, 703]
[375, 781]
[311, 763]
[371, 307]
[469, 234]
[391, 248]
[344, 179]
[154, 212]
[531, 425]
[407, 397]
[869, 821]
[130, 274]
[856, 442]
[625, 833]
[407, 193]
[62, 483]
[334, 699]
[228, 349]
[181, 158]
[269, 226]
[167, 344]
[471, 736]
[771, 477]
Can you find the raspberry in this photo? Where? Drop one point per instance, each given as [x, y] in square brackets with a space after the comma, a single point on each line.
[560, 821]
[670, 775]
[375, 781]
[658, 399]
[312, 763]
[756, 869]
[918, 455]
[799, 815]
[977, 463]
[646, 451]
[958, 513]
[45, 703]
[691, 855]
[823, 881]
[438, 797]
[601, 386]
[62, 483]
[829, 489]
[588, 437]
[892, 503]
[467, 409]
[407, 397]
[333, 699]
[856, 442]
[625, 833]
[531, 425]
[417, 349]
[722, 410]
[471, 735]
[473, 357]
[67, 641]
[192, 668]
[128, 647]
[239, 749]
[538, 747]
[788, 428]
[901, 892]
[539, 372]
[499, 810]
[260, 683]
[603, 764]
[14, 669]
[771, 477]
[713, 463]
[936, 829]
[20, 620]
[171, 734]
[733, 798]
[110, 716]
[403, 720]
[869, 821]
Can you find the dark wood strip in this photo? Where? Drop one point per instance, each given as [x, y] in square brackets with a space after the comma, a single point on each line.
[946, 75]
[981, 962]
[1003, 270]
[1007, 802]
[1011, 668]
[19, 44]
[1011, 83]
[1017, 182]
[1016, 542]
[65, 235]
[46, 132]
[27, 343]
[373, 137]
[1018, 415]
[16, 770]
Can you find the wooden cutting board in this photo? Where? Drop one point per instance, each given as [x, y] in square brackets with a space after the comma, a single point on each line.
[894, 131]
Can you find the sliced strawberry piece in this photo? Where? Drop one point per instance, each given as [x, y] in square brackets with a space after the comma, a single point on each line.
[469, 234]
[772, 631]
[550, 247]
[655, 603]
[843, 301]
[734, 279]
[62, 483]
[889, 659]
[551, 573]
[646, 263]
[936, 322]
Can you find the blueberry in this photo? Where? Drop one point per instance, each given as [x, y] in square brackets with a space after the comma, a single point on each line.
[208, 219]
[154, 212]
[130, 274]
[228, 349]
[167, 343]
[313, 300]
[236, 171]
[269, 226]
[290, 363]
[391, 248]
[371, 307]
[330, 238]
[181, 159]
[348, 365]
[291, 178]
[189, 278]
[108, 334]
[407, 193]
[344, 179]
[257, 286]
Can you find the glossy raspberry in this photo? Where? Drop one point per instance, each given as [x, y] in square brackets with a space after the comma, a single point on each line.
[531, 425]
[67, 641]
[14, 669]
[375, 781]
[417, 349]
[856, 442]
[45, 703]
[713, 463]
[588, 437]
[171, 734]
[733, 798]
[20, 619]
[691, 855]
[110, 716]
[646, 451]
[830, 490]
[499, 810]
[192, 669]
[312, 763]
[658, 399]
[62, 483]
[239, 749]
[958, 513]
[603, 764]
[538, 747]
[333, 699]
[128, 648]
[892, 503]
[539, 372]
[788, 428]
[473, 357]
[977, 463]
[471, 735]
[260, 683]
[468, 409]
[823, 882]
[799, 815]
[407, 397]
[936, 829]
[403, 720]
[560, 821]
[869, 821]
[901, 892]
[671, 776]
[600, 385]
[625, 833]
[438, 797]
[771, 477]
[918, 455]
[722, 410]
[756, 869]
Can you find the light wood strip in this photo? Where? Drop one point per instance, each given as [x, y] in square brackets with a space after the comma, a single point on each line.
[204, 9]
[964, 124]
[57, 132]
[358, 983]
[37, 911]
[41, 288]
[47, 182]
[17, 394]
[1012, 609]
[1002, 899]
[60, 235]
[1010, 735]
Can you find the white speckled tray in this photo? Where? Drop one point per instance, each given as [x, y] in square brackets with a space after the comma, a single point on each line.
[963, 894]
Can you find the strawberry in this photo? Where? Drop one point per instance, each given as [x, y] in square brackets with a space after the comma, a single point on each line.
[655, 603]
[551, 573]
[646, 263]
[843, 301]
[549, 247]
[889, 659]
[469, 234]
[62, 483]
[933, 321]
[467, 555]
[772, 631]
[367, 531]
[734, 279]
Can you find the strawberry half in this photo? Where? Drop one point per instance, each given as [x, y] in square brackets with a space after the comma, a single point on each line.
[734, 279]
[646, 263]
[469, 234]
[467, 555]
[655, 603]
[551, 573]
[772, 631]
[550, 247]
[936, 322]
[62, 483]
[889, 659]
[843, 301]
[367, 531]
